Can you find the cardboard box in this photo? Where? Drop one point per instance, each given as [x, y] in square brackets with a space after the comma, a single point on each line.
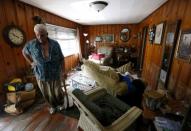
[16, 109]
[20, 96]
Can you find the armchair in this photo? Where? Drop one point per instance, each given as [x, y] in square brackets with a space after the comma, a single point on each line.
[100, 111]
[103, 56]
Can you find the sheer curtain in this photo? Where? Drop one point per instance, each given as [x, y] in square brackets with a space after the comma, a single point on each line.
[66, 37]
[79, 45]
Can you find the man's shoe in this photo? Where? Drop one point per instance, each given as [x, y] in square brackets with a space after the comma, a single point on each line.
[52, 110]
[60, 108]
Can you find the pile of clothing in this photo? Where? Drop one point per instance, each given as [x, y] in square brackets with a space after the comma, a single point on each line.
[19, 96]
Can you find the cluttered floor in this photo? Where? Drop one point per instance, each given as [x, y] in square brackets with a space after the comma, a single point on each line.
[37, 118]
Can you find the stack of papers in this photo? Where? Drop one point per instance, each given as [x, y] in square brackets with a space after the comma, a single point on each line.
[164, 124]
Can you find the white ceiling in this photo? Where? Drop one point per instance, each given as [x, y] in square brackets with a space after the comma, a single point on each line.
[117, 11]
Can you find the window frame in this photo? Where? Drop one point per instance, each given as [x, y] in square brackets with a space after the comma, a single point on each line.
[66, 31]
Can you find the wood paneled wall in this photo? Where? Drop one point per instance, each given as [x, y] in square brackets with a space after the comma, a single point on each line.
[12, 63]
[180, 77]
[71, 62]
[97, 30]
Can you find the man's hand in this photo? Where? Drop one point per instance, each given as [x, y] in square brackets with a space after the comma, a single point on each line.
[33, 64]
[64, 76]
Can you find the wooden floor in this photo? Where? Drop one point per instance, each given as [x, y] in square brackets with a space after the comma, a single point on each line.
[39, 120]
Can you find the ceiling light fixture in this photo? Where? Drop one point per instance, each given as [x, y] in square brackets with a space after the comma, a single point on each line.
[98, 5]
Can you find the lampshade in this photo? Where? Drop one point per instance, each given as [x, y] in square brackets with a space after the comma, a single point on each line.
[98, 5]
[85, 34]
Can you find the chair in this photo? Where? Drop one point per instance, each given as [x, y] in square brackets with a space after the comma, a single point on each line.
[103, 56]
[100, 111]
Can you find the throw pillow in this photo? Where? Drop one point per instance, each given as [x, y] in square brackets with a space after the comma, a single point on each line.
[92, 107]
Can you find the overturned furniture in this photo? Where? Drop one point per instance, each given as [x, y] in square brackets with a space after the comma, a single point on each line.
[99, 111]
[106, 78]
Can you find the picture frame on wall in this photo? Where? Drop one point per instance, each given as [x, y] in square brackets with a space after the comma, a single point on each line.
[98, 39]
[159, 33]
[152, 34]
[108, 38]
[184, 46]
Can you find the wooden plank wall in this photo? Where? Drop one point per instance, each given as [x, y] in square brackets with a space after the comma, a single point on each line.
[180, 78]
[71, 62]
[96, 30]
[12, 63]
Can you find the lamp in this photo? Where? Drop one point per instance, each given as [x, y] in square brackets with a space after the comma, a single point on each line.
[86, 46]
[98, 5]
[87, 41]
[85, 34]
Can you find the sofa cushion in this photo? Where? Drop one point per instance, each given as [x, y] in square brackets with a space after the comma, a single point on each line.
[92, 107]
[112, 108]
[106, 108]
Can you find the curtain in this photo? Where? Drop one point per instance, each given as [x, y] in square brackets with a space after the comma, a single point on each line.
[79, 45]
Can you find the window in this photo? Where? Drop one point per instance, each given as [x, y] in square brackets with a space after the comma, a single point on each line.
[66, 38]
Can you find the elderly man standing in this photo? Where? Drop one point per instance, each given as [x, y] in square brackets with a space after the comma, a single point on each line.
[46, 58]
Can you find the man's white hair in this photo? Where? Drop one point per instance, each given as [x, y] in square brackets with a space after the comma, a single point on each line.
[40, 27]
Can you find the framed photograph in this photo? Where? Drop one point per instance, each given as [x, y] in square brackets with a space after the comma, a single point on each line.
[159, 33]
[184, 47]
[152, 33]
[98, 39]
[108, 38]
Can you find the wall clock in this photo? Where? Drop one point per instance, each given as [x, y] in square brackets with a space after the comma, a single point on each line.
[14, 35]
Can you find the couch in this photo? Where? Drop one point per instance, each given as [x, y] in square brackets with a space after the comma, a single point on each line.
[103, 56]
[106, 77]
